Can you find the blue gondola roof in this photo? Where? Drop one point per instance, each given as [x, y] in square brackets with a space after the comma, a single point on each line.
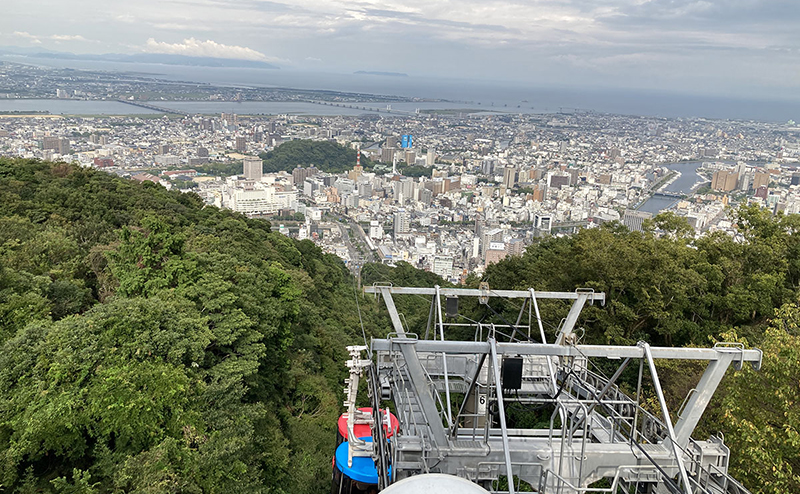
[363, 469]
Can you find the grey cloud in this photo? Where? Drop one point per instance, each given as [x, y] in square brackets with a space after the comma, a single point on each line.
[421, 20]
[677, 14]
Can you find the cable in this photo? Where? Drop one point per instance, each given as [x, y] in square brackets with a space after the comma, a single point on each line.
[363, 332]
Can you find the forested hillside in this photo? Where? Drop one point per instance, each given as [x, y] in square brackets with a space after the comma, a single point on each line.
[327, 156]
[151, 344]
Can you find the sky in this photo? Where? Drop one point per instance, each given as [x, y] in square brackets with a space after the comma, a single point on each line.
[747, 48]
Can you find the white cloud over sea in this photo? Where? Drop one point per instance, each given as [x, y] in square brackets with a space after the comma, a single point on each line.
[197, 48]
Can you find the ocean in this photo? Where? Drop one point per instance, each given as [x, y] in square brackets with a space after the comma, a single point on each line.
[512, 97]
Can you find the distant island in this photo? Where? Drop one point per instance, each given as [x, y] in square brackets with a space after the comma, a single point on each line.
[384, 74]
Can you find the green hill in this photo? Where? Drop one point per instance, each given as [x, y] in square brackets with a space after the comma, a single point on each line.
[327, 156]
[149, 343]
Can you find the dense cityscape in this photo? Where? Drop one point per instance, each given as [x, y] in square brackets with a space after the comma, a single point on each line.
[464, 191]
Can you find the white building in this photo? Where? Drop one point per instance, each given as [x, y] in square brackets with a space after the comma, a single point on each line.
[443, 266]
[375, 230]
[254, 201]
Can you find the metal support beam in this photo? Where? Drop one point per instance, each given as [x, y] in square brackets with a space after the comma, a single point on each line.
[544, 341]
[448, 407]
[667, 420]
[418, 376]
[386, 293]
[498, 386]
[604, 351]
[572, 317]
[474, 292]
[699, 400]
[419, 381]
[471, 388]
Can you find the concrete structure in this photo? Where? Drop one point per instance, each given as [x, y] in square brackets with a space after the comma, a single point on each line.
[724, 180]
[402, 222]
[252, 168]
[634, 219]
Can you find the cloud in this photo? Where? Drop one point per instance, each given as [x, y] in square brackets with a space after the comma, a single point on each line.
[55, 37]
[25, 34]
[67, 37]
[177, 26]
[196, 48]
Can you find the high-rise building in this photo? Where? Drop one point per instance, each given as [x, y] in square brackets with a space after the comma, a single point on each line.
[252, 168]
[542, 224]
[229, 119]
[402, 222]
[241, 144]
[355, 172]
[495, 252]
[404, 190]
[760, 179]
[516, 247]
[430, 158]
[375, 230]
[387, 154]
[300, 174]
[202, 153]
[490, 235]
[391, 142]
[163, 149]
[443, 266]
[724, 180]
[509, 177]
[57, 144]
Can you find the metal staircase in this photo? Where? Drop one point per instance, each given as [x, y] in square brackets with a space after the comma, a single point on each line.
[452, 400]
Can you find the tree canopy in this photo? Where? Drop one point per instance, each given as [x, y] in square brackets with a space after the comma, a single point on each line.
[149, 343]
[327, 156]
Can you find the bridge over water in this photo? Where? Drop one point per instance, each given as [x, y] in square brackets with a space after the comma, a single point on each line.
[152, 107]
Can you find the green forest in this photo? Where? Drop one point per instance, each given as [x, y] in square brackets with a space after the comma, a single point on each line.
[327, 156]
[152, 344]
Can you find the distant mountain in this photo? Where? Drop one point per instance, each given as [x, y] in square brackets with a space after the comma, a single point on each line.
[384, 74]
[143, 58]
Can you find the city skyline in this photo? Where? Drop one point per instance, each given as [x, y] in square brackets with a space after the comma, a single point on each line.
[722, 48]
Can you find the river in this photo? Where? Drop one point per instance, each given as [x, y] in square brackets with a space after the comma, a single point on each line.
[682, 185]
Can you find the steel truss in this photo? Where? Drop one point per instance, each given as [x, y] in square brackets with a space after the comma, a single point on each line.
[452, 403]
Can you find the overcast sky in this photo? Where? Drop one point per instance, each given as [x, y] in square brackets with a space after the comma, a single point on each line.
[732, 47]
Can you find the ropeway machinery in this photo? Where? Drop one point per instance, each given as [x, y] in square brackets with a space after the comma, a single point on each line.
[462, 405]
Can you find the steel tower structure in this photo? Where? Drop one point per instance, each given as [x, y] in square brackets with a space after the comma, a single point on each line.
[452, 399]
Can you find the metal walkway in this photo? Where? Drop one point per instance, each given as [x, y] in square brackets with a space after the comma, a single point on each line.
[465, 407]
